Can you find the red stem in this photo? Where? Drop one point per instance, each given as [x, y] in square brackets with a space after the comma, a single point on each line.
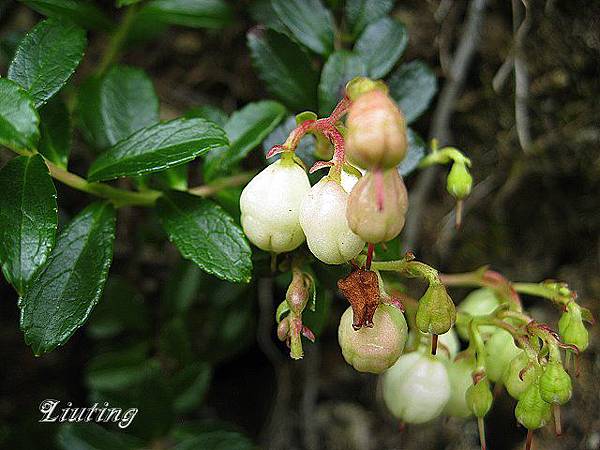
[529, 441]
[481, 427]
[434, 343]
[557, 424]
[370, 250]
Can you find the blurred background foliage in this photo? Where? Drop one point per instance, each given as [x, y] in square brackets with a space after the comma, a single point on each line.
[198, 356]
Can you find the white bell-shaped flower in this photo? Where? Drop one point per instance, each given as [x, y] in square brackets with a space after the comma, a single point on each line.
[416, 388]
[270, 206]
[323, 219]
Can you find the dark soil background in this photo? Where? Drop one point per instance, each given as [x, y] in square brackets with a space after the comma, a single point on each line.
[534, 214]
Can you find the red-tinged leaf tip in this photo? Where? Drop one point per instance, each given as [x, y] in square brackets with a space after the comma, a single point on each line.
[308, 334]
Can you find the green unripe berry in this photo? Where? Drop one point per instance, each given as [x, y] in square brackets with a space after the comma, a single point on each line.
[459, 374]
[516, 379]
[480, 302]
[479, 398]
[436, 312]
[532, 411]
[555, 384]
[459, 181]
[500, 349]
[571, 328]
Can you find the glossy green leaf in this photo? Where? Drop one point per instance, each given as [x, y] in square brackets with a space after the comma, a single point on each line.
[56, 131]
[90, 436]
[416, 152]
[19, 119]
[207, 235]
[245, 129]
[360, 13]
[81, 12]
[340, 68]
[309, 21]
[113, 107]
[285, 68]
[381, 45]
[413, 86]
[47, 57]
[157, 148]
[62, 295]
[28, 218]
[190, 13]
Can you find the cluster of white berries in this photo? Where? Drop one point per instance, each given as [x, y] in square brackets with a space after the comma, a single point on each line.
[339, 214]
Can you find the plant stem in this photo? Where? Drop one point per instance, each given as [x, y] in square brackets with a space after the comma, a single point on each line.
[123, 197]
[120, 197]
[481, 427]
[117, 40]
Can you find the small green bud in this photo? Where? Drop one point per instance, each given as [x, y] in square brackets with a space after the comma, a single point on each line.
[479, 397]
[459, 181]
[532, 411]
[519, 375]
[555, 384]
[436, 312]
[500, 349]
[361, 85]
[571, 328]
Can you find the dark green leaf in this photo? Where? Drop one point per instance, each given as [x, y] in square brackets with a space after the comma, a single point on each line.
[381, 45]
[205, 234]
[18, 118]
[208, 112]
[121, 3]
[28, 218]
[55, 129]
[47, 57]
[262, 12]
[121, 309]
[157, 148]
[89, 436]
[190, 385]
[190, 13]
[174, 342]
[309, 21]
[217, 440]
[119, 370]
[360, 13]
[413, 86]
[285, 68]
[61, 296]
[182, 288]
[340, 68]
[416, 152]
[81, 12]
[115, 106]
[245, 129]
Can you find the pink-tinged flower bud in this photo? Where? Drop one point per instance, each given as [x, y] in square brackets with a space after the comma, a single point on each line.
[323, 220]
[416, 388]
[376, 210]
[373, 349]
[270, 206]
[376, 136]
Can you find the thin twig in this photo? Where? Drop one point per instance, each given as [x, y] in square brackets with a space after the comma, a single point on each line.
[453, 86]
[521, 26]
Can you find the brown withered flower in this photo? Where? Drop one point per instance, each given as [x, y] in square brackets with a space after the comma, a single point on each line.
[361, 289]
